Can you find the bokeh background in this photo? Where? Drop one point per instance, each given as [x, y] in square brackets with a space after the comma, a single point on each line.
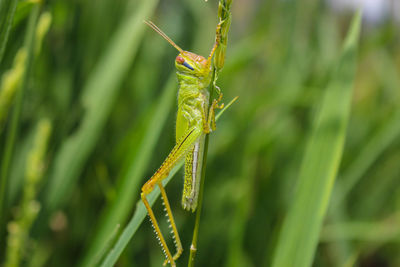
[87, 115]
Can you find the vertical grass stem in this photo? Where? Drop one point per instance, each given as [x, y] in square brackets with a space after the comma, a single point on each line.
[224, 17]
[14, 124]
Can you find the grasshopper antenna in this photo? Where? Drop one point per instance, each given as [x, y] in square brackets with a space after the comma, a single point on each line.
[160, 32]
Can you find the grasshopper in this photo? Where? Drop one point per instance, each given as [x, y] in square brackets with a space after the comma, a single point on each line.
[195, 118]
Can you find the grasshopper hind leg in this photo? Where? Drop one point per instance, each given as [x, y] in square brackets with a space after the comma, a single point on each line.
[157, 231]
[171, 224]
[179, 151]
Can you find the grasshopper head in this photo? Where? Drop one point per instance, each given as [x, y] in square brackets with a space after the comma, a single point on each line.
[186, 62]
[193, 64]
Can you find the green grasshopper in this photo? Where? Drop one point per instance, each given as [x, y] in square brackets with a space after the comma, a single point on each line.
[195, 119]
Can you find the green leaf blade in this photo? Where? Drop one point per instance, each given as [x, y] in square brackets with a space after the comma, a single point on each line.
[98, 97]
[135, 222]
[300, 231]
[7, 12]
[117, 212]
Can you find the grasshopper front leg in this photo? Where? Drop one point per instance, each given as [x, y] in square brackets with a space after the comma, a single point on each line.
[211, 112]
[173, 158]
[209, 124]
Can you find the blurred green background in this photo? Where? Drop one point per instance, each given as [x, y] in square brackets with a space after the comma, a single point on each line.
[87, 113]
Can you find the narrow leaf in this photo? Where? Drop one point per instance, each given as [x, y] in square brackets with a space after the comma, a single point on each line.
[7, 11]
[135, 222]
[299, 237]
[117, 212]
[98, 98]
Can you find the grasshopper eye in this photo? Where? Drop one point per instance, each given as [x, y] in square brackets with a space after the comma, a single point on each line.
[187, 66]
[182, 61]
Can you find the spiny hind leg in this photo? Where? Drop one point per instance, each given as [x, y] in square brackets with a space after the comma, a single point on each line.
[169, 258]
[174, 156]
[172, 225]
[157, 230]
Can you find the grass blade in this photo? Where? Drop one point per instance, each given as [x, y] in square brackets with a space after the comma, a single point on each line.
[117, 212]
[299, 236]
[380, 142]
[98, 98]
[135, 222]
[13, 130]
[7, 11]
[19, 228]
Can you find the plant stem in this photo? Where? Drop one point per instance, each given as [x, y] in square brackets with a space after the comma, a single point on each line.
[7, 11]
[14, 124]
[224, 17]
[29, 208]
[193, 246]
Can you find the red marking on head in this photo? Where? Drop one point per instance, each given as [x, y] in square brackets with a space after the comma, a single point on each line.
[180, 60]
[195, 57]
